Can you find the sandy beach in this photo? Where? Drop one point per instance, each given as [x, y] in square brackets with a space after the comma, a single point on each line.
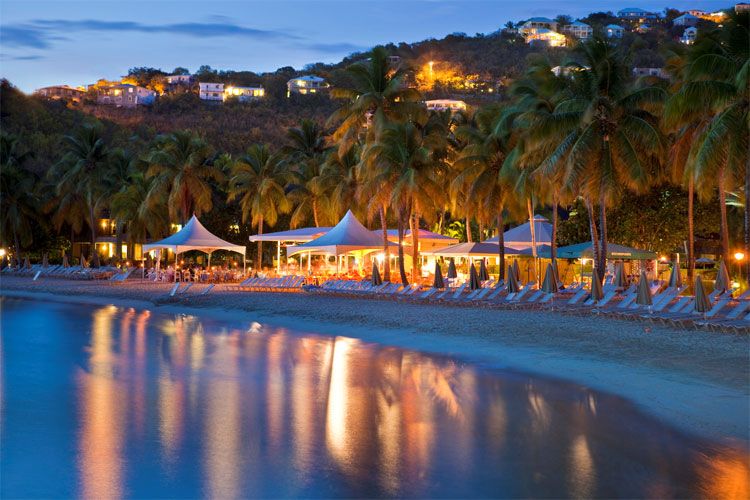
[696, 380]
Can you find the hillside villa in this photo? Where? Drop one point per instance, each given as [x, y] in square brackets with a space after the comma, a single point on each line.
[614, 31]
[211, 91]
[579, 30]
[636, 14]
[61, 92]
[688, 36]
[445, 104]
[125, 95]
[686, 19]
[308, 84]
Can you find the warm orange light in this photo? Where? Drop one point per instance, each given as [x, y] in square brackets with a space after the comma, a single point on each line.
[739, 256]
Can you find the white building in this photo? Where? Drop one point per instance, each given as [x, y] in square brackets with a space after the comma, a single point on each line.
[179, 79]
[688, 36]
[244, 94]
[444, 104]
[742, 7]
[547, 37]
[614, 31]
[63, 92]
[308, 84]
[125, 95]
[579, 30]
[536, 23]
[658, 72]
[686, 19]
[636, 14]
[211, 91]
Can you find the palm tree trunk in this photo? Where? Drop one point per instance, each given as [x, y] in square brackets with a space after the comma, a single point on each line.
[92, 223]
[259, 264]
[118, 242]
[415, 269]
[603, 237]
[441, 221]
[401, 267]
[468, 229]
[594, 235]
[17, 246]
[386, 247]
[691, 234]
[501, 243]
[315, 213]
[724, 223]
[532, 227]
[553, 246]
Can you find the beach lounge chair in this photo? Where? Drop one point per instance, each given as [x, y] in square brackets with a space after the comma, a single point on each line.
[737, 310]
[207, 289]
[576, 298]
[187, 287]
[174, 289]
[496, 291]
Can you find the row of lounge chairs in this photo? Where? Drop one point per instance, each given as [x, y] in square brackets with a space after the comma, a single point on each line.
[37, 271]
[281, 284]
[668, 307]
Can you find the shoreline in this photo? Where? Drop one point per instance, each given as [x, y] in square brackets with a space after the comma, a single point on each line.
[694, 380]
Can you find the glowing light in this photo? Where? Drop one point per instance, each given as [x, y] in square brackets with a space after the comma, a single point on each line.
[381, 258]
[663, 258]
[2, 252]
[739, 256]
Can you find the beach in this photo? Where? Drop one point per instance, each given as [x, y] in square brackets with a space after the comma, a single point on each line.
[695, 380]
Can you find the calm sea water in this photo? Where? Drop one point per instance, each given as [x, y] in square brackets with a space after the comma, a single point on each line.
[111, 402]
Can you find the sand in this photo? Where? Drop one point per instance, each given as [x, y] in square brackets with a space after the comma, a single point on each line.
[696, 380]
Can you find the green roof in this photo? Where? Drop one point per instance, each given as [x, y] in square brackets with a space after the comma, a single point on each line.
[614, 251]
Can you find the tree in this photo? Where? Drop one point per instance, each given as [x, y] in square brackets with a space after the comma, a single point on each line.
[182, 168]
[85, 169]
[257, 181]
[18, 201]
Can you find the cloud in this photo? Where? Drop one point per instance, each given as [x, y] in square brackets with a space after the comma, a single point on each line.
[40, 33]
[334, 48]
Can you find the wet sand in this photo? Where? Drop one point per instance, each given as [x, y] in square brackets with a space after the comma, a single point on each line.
[697, 380]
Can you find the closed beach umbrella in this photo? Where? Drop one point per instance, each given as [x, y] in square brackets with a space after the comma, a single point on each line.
[65, 260]
[557, 272]
[438, 283]
[549, 285]
[483, 274]
[376, 279]
[675, 278]
[597, 293]
[702, 304]
[27, 263]
[722, 279]
[83, 261]
[452, 274]
[643, 298]
[473, 278]
[619, 281]
[516, 270]
[512, 286]
[95, 260]
[45, 261]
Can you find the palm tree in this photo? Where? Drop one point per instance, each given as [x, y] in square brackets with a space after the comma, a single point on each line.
[182, 168]
[257, 181]
[18, 201]
[611, 141]
[85, 169]
[483, 167]
[306, 153]
[718, 86]
[120, 166]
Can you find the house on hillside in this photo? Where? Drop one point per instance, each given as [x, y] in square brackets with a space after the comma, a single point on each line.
[636, 14]
[742, 7]
[244, 94]
[544, 36]
[686, 19]
[657, 72]
[643, 28]
[125, 95]
[211, 91]
[536, 23]
[614, 31]
[689, 35]
[579, 30]
[445, 104]
[61, 92]
[179, 80]
[308, 84]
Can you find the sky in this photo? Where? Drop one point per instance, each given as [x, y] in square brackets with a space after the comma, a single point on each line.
[76, 42]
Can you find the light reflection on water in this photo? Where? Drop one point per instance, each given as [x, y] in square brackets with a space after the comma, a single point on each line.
[108, 402]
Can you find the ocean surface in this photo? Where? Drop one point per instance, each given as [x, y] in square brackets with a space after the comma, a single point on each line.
[116, 402]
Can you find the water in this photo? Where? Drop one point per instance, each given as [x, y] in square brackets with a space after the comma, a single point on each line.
[107, 402]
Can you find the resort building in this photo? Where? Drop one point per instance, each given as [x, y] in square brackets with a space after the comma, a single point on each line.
[688, 36]
[211, 91]
[742, 7]
[546, 37]
[106, 241]
[125, 95]
[444, 104]
[614, 31]
[686, 19]
[244, 94]
[61, 92]
[579, 30]
[176, 81]
[636, 14]
[308, 84]
[658, 72]
[536, 23]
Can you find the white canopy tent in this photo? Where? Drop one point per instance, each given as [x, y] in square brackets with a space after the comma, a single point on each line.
[300, 235]
[519, 237]
[195, 237]
[349, 236]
